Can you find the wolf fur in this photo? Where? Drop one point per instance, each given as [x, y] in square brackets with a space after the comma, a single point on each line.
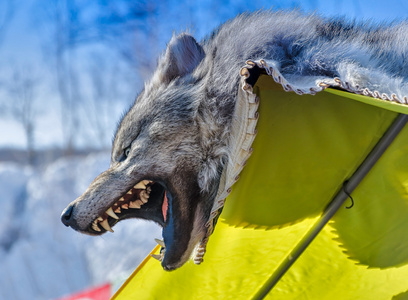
[177, 132]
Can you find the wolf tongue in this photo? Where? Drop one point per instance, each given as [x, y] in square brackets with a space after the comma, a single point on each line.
[165, 206]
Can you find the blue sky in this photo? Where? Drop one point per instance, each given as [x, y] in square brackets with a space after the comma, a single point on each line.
[21, 31]
[359, 9]
[21, 35]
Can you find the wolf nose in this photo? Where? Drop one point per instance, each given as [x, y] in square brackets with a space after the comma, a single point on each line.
[67, 214]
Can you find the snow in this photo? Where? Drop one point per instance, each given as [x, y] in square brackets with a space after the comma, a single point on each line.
[43, 259]
[12, 134]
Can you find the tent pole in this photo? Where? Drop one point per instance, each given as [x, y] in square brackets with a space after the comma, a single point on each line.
[335, 204]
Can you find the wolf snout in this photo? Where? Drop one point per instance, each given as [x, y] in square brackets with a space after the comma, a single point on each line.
[66, 216]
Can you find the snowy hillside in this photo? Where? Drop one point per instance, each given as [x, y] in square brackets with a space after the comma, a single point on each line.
[42, 259]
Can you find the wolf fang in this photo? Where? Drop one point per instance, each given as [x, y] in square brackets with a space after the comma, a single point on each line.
[177, 132]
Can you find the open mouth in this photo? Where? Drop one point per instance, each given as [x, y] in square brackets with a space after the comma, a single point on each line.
[150, 200]
[186, 222]
[146, 199]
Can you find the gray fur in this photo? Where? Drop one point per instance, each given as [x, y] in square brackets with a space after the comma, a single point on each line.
[178, 128]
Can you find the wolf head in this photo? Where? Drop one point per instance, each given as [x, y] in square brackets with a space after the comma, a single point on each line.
[167, 158]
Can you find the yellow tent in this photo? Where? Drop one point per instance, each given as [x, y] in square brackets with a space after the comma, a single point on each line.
[285, 231]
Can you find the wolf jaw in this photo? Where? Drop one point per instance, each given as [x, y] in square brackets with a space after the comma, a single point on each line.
[133, 199]
[135, 202]
[136, 198]
[149, 200]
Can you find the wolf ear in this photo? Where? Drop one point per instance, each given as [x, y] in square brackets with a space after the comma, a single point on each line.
[182, 56]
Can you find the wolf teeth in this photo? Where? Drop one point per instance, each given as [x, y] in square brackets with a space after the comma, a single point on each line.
[160, 256]
[105, 225]
[95, 226]
[111, 213]
[140, 185]
[157, 256]
[160, 242]
[135, 204]
[144, 196]
[103, 222]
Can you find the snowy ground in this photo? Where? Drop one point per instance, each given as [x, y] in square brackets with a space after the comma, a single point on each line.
[40, 258]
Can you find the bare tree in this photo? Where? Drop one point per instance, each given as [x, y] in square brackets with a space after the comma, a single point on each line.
[70, 30]
[78, 37]
[103, 90]
[22, 92]
[61, 33]
[132, 28]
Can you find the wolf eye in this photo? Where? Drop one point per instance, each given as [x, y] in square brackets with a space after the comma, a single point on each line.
[126, 151]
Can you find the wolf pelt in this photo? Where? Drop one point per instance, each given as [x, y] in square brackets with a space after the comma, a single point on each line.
[301, 45]
[177, 132]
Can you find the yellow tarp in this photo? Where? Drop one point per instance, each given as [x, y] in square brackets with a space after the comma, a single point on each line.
[306, 147]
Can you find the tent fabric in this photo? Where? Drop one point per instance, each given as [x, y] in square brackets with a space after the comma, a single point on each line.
[306, 148]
